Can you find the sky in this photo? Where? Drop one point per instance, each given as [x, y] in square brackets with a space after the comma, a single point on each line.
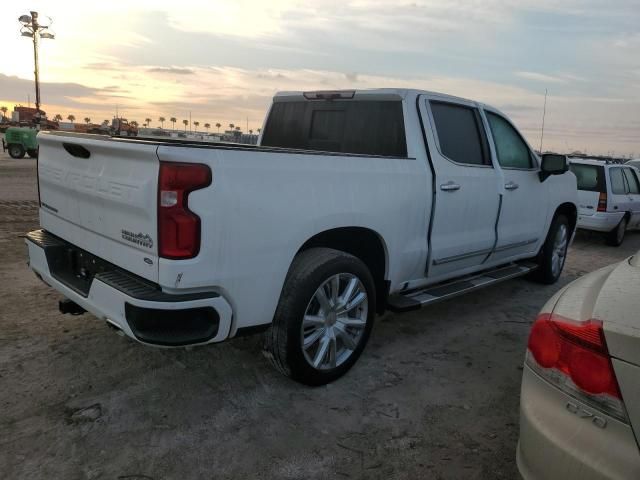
[222, 61]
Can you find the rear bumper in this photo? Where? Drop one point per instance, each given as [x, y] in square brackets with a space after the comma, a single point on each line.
[134, 306]
[556, 443]
[600, 221]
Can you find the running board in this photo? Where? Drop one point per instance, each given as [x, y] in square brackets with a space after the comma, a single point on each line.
[403, 302]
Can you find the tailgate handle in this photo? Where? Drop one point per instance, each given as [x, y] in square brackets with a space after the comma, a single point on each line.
[76, 150]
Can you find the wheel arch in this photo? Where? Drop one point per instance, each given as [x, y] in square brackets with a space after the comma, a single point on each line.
[364, 244]
[570, 211]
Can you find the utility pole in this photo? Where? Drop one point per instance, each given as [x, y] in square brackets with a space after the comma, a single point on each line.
[33, 29]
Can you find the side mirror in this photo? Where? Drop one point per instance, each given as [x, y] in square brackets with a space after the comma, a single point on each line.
[553, 164]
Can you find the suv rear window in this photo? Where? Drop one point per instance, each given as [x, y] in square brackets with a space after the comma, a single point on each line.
[590, 177]
[352, 126]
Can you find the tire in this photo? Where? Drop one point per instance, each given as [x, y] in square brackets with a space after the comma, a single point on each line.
[339, 337]
[616, 236]
[33, 153]
[16, 150]
[553, 254]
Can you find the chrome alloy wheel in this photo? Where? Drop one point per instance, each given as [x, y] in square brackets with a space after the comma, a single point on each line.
[559, 252]
[334, 321]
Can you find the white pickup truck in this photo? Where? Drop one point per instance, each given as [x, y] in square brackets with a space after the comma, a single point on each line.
[354, 202]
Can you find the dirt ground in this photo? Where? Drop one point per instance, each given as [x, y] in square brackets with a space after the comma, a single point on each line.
[435, 394]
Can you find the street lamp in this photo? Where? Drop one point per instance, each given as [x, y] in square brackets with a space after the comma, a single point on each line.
[33, 29]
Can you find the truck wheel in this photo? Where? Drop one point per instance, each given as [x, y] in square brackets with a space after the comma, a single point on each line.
[616, 236]
[324, 316]
[33, 153]
[16, 150]
[554, 252]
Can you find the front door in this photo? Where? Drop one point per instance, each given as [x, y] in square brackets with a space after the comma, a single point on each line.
[466, 186]
[524, 208]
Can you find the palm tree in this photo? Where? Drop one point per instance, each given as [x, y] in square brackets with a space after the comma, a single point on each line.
[259, 130]
[58, 117]
[3, 109]
[133, 123]
[250, 132]
[231, 125]
[173, 120]
[218, 125]
[237, 129]
[197, 124]
[148, 120]
[87, 120]
[186, 122]
[207, 126]
[71, 118]
[161, 120]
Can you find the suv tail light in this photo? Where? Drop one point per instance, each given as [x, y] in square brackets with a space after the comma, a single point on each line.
[574, 357]
[602, 202]
[179, 227]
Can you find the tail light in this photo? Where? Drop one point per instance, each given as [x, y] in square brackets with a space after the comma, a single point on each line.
[602, 202]
[574, 357]
[179, 227]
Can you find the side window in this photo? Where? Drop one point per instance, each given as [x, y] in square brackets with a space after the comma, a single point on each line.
[632, 181]
[617, 181]
[460, 133]
[511, 150]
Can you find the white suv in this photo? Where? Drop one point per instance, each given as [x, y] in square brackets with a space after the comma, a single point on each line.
[608, 197]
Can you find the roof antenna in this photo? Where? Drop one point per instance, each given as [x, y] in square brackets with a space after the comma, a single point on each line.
[544, 112]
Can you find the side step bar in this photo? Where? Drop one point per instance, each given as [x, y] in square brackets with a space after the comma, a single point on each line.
[413, 300]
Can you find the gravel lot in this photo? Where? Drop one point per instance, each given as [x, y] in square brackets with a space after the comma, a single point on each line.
[435, 394]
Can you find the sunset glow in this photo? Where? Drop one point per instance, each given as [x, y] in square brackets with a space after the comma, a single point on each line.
[222, 61]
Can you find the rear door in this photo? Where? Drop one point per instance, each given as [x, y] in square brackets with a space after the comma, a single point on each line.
[466, 186]
[633, 186]
[524, 205]
[591, 183]
[100, 194]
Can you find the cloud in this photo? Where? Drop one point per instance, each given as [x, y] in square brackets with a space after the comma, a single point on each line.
[173, 70]
[546, 78]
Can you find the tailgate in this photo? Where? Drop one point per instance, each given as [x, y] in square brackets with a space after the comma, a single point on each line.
[591, 183]
[100, 194]
[587, 202]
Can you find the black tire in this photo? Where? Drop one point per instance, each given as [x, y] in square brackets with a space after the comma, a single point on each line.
[545, 272]
[282, 341]
[33, 153]
[616, 236]
[16, 150]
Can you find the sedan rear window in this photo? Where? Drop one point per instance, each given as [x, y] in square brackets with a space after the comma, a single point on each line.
[353, 126]
[590, 177]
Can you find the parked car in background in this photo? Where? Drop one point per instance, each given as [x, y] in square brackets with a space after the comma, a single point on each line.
[580, 399]
[634, 163]
[355, 202]
[608, 197]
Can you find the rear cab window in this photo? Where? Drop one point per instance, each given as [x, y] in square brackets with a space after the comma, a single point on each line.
[365, 127]
[590, 177]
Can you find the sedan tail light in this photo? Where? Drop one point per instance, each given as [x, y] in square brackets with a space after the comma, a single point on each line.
[179, 227]
[574, 357]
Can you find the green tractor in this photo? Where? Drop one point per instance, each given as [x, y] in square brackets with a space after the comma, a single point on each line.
[20, 140]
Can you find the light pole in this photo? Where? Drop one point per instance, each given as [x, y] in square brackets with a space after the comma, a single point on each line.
[33, 29]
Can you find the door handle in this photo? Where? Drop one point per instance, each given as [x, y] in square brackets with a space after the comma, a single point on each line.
[449, 186]
[511, 185]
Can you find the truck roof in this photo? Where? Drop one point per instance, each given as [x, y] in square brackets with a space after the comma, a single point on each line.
[370, 94]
